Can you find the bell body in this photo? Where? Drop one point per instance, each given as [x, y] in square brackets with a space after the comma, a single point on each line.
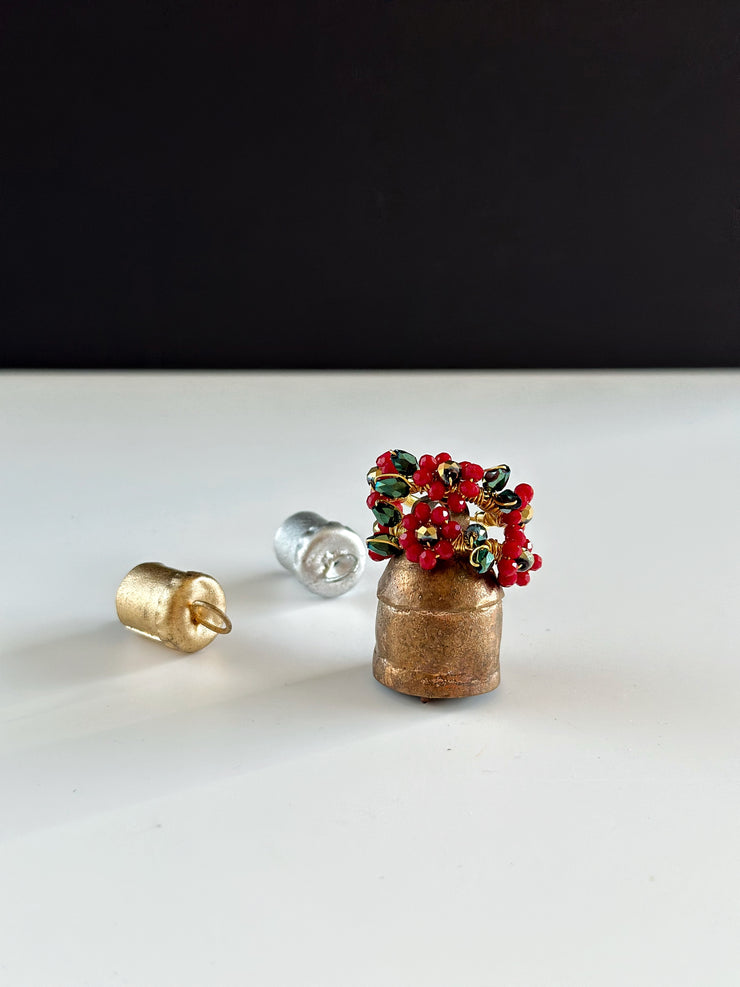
[438, 634]
[156, 601]
[327, 557]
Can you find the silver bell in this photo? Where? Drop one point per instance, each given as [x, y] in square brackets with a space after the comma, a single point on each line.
[327, 557]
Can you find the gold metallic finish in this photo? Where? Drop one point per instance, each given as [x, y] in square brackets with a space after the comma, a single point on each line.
[496, 548]
[438, 634]
[460, 544]
[183, 610]
[427, 534]
[492, 514]
[210, 617]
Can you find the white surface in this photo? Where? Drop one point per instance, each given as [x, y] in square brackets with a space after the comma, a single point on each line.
[263, 812]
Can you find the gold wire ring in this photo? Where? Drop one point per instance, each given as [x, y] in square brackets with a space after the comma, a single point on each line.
[196, 609]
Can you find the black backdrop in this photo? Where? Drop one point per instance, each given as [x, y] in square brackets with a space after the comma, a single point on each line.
[474, 183]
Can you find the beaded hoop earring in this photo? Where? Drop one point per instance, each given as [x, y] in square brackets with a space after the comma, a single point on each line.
[421, 509]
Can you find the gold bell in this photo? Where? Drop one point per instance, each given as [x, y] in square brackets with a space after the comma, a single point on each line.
[183, 610]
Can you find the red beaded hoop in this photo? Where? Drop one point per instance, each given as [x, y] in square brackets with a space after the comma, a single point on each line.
[413, 502]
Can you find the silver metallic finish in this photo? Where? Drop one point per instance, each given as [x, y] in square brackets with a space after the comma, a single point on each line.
[327, 557]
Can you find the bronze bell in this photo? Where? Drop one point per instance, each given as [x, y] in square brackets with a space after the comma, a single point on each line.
[438, 634]
[439, 619]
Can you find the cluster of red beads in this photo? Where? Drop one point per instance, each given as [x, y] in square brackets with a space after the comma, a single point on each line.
[515, 541]
[384, 463]
[423, 514]
[411, 539]
[467, 489]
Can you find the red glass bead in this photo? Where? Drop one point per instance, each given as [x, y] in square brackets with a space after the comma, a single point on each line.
[507, 567]
[422, 510]
[406, 538]
[411, 522]
[522, 579]
[380, 461]
[445, 550]
[511, 549]
[382, 529]
[413, 552]
[427, 559]
[377, 558]
[442, 457]
[469, 490]
[506, 580]
[427, 463]
[514, 534]
[422, 478]
[513, 517]
[472, 471]
[437, 490]
[440, 514]
[456, 503]
[372, 499]
[537, 564]
[451, 530]
[524, 492]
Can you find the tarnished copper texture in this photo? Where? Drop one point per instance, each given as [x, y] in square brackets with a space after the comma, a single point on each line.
[437, 633]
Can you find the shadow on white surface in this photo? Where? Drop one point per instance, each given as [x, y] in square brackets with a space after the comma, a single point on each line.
[110, 651]
[50, 779]
[69, 660]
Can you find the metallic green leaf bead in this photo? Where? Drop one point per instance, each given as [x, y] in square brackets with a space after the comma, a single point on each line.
[393, 487]
[405, 462]
[475, 534]
[496, 478]
[507, 500]
[383, 545]
[449, 473]
[427, 535]
[525, 561]
[482, 558]
[387, 513]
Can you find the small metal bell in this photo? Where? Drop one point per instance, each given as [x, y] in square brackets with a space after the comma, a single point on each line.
[182, 610]
[326, 556]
